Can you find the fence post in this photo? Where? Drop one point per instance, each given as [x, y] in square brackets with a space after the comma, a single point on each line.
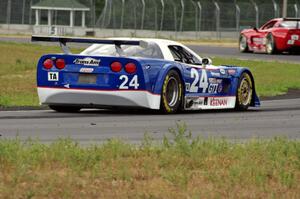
[155, 17]
[162, 14]
[238, 17]
[256, 14]
[284, 8]
[8, 13]
[23, 12]
[104, 13]
[143, 14]
[175, 16]
[296, 10]
[30, 13]
[217, 12]
[200, 16]
[182, 15]
[110, 11]
[196, 18]
[122, 14]
[275, 9]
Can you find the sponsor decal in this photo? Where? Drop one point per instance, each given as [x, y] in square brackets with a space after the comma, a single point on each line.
[212, 80]
[88, 61]
[218, 102]
[223, 71]
[67, 85]
[213, 88]
[231, 71]
[295, 37]
[86, 70]
[194, 103]
[291, 42]
[206, 101]
[53, 76]
[215, 74]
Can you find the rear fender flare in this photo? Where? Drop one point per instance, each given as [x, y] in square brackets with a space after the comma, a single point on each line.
[162, 75]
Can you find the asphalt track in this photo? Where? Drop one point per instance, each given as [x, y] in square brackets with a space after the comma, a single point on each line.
[274, 118]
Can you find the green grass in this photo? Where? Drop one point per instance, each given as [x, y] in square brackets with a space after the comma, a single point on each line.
[180, 167]
[18, 73]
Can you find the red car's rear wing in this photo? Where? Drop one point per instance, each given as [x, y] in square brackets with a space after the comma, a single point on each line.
[63, 40]
[291, 19]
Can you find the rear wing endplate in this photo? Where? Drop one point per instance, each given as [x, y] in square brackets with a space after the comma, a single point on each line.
[64, 40]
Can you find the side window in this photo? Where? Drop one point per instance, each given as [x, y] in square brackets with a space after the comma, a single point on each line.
[268, 25]
[182, 55]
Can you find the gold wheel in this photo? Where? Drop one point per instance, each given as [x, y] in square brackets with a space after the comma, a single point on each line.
[244, 92]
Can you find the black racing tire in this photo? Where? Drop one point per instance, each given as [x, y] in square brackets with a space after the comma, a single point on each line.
[244, 92]
[243, 45]
[270, 45]
[172, 93]
[65, 109]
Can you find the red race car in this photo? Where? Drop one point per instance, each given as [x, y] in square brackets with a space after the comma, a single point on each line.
[277, 35]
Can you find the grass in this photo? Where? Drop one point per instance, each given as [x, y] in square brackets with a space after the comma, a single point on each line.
[180, 167]
[18, 73]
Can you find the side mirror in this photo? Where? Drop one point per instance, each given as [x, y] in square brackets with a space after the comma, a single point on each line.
[206, 61]
[255, 29]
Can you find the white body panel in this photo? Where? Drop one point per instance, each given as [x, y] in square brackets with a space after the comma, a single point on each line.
[99, 98]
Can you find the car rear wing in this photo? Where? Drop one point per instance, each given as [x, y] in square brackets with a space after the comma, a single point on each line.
[64, 40]
[291, 19]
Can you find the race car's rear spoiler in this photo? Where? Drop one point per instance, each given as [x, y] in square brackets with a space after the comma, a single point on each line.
[291, 19]
[64, 40]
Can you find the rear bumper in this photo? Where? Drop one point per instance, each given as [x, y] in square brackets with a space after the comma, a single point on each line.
[126, 98]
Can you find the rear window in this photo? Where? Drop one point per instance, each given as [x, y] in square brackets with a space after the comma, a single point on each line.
[289, 24]
[151, 51]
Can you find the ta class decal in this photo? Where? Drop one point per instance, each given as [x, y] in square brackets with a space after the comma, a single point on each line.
[53, 76]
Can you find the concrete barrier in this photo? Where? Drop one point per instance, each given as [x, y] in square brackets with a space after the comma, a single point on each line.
[79, 31]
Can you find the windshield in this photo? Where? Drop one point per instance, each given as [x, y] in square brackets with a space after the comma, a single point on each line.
[152, 50]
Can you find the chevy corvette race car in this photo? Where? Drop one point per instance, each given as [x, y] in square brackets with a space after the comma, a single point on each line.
[142, 73]
[277, 35]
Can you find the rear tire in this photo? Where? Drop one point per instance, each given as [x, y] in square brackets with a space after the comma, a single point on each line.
[244, 92]
[270, 45]
[243, 45]
[65, 109]
[172, 92]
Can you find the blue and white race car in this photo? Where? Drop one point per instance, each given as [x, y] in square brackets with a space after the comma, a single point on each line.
[142, 73]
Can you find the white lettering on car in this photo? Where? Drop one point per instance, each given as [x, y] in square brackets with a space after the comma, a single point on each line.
[133, 83]
[203, 83]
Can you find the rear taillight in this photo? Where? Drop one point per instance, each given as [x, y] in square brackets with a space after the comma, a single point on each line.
[60, 64]
[130, 68]
[48, 64]
[116, 66]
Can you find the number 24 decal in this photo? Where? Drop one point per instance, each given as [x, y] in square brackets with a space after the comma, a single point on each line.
[132, 83]
[203, 83]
